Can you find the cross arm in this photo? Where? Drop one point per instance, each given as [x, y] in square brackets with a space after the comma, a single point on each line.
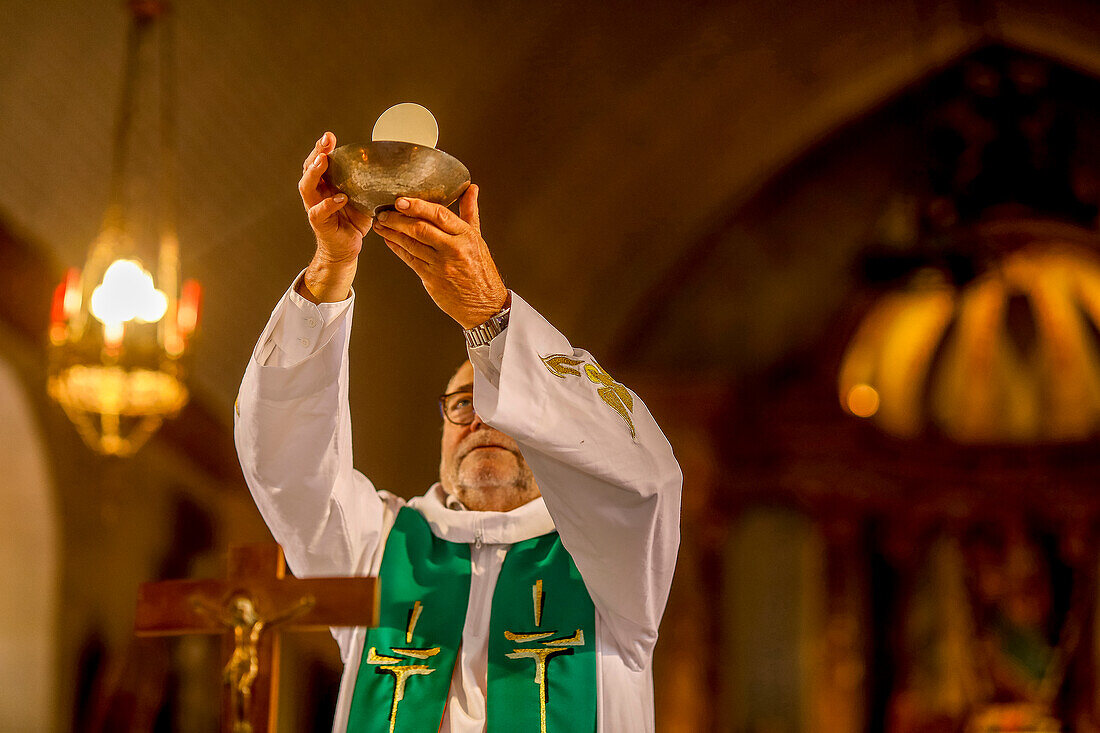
[166, 609]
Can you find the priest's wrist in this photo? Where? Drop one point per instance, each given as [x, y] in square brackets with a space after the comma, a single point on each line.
[327, 282]
[483, 333]
[475, 315]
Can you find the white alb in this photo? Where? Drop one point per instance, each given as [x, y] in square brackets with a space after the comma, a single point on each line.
[614, 499]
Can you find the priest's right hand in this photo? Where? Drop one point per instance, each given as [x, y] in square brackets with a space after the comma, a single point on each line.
[338, 228]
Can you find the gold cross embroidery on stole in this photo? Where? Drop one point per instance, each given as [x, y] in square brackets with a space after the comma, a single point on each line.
[402, 672]
[542, 654]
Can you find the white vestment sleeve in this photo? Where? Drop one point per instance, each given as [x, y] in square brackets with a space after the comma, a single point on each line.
[614, 496]
[293, 436]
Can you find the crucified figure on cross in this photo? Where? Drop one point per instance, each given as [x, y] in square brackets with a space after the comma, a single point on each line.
[239, 614]
[256, 584]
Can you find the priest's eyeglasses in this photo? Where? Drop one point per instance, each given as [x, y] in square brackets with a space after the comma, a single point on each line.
[458, 407]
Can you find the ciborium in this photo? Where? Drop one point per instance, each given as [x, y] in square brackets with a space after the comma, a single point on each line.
[374, 175]
[401, 160]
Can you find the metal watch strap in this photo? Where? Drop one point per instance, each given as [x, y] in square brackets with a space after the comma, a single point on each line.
[483, 334]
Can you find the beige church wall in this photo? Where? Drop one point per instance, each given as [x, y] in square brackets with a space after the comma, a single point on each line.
[30, 555]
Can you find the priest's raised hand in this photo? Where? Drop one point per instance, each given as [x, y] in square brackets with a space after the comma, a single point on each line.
[338, 228]
[449, 255]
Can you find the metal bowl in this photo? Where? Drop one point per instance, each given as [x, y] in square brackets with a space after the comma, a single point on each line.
[374, 175]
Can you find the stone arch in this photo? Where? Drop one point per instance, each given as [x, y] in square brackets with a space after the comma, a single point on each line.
[29, 565]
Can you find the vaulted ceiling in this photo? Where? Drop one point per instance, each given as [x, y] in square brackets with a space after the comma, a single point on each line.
[609, 139]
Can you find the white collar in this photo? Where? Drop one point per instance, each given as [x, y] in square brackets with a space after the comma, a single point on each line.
[493, 528]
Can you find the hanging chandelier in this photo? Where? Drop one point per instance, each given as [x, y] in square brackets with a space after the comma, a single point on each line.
[121, 326]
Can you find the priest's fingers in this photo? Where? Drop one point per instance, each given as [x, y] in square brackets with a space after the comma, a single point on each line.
[467, 207]
[418, 249]
[324, 215]
[422, 231]
[360, 220]
[325, 144]
[420, 267]
[311, 187]
[440, 216]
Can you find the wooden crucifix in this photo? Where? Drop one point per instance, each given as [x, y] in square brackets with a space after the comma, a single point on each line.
[250, 607]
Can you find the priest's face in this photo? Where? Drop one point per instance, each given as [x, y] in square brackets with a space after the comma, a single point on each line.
[479, 465]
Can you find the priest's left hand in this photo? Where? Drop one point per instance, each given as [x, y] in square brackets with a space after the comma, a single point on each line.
[449, 255]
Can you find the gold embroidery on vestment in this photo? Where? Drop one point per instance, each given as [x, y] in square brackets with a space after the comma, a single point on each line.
[540, 657]
[524, 638]
[549, 649]
[373, 657]
[613, 393]
[561, 365]
[576, 639]
[417, 653]
[617, 397]
[414, 616]
[401, 672]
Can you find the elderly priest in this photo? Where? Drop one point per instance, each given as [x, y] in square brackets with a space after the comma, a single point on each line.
[523, 591]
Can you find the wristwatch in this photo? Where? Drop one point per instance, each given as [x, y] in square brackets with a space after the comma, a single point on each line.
[483, 334]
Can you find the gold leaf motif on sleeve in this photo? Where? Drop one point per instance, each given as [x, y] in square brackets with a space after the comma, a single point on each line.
[613, 393]
[561, 365]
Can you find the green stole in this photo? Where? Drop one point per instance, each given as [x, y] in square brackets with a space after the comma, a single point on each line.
[542, 658]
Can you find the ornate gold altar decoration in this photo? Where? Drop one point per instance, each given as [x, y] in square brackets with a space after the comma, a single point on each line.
[1013, 356]
[121, 326]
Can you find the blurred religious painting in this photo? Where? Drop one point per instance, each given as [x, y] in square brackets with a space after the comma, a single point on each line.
[995, 628]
